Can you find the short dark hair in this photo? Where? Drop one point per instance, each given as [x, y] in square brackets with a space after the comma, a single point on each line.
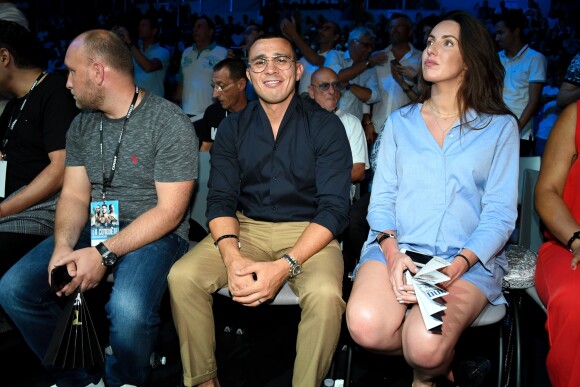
[513, 19]
[398, 15]
[275, 36]
[235, 66]
[337, 29]
[153, 21]
[209, 21]
[21, 44]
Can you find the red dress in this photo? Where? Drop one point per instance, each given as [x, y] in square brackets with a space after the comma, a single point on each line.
[559, 288]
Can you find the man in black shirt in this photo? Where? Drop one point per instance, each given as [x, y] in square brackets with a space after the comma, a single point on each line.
[278, 197]
[33, 128]
[229, 89]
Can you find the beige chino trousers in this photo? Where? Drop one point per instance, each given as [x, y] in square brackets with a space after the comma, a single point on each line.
[201, 272]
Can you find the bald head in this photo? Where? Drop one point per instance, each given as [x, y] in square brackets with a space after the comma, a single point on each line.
[107, 47]
[324, 88]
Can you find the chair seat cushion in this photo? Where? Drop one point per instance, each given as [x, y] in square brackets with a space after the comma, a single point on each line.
[522, 267]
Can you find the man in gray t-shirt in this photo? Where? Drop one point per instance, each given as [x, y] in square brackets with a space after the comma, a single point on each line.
[133, 156]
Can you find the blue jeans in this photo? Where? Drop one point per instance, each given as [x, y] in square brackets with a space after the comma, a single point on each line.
[132, 310]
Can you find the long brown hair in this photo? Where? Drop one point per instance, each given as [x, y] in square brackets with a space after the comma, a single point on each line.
[482, 85]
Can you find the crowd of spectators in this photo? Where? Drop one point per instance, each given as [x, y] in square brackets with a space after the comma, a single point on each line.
[554, 35]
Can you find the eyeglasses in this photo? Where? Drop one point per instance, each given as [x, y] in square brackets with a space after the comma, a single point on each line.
[220, 88]
[367, 45]
[325, 86]
[281, 62]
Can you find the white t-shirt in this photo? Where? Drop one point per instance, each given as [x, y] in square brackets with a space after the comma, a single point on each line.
[349, 103]
[528, 66]
[357, 141]
[309, 69]
[196, 72]
[392, 95]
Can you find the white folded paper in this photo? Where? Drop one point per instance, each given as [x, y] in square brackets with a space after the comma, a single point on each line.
[425, 285]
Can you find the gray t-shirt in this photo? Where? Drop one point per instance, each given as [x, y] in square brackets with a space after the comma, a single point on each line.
[159, 145]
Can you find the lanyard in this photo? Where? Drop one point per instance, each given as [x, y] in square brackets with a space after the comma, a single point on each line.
[12, 122]
[108, 180]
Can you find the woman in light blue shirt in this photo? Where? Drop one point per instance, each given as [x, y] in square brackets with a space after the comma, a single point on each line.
[445, 185]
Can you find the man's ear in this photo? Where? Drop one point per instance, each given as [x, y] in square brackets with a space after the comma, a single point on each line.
[241, 83]
[98, 71]
[248, 76]
[299, 70]
[5, 57]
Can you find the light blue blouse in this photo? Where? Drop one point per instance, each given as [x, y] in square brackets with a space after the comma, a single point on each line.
[440, 200]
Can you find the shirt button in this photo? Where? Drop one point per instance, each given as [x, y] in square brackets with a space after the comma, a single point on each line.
[274, 208]
[273, 179]
[451, 135]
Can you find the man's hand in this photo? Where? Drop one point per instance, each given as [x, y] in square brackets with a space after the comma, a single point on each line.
[407, 71]
[123, 34]
[84, 265]
[378, 58]
[288, 28]
[370, 134]
[266, 279]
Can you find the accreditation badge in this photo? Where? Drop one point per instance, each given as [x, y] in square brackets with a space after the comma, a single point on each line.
[3, 165]
[104, 220]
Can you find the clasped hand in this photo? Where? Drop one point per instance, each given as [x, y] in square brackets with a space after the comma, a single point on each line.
[397, 264]
[84, 266]
[253, 283]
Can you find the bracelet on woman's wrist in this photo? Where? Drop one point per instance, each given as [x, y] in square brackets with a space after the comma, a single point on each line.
[466, 260]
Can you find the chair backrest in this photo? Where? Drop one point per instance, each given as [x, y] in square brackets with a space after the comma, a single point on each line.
[530, 234]
[526, 162]
[199, 200]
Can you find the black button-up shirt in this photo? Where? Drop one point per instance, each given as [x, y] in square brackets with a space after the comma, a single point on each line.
[302, 175]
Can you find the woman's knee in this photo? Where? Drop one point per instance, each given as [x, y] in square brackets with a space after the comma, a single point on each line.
[370, 330]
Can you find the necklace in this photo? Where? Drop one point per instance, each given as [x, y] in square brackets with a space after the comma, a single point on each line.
[437, 122]
[443, 116]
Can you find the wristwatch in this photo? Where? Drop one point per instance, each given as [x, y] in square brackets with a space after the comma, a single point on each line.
[295, 267]
[109, 258]
[575, 236]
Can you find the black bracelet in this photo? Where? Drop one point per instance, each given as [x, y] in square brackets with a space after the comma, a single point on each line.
[386, 236]
[575, 236]
[225, 237]
[466, 260]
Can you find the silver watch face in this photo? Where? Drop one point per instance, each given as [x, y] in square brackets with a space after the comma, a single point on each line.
[297, 269]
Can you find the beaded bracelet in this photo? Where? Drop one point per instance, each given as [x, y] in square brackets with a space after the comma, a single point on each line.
[227, 236]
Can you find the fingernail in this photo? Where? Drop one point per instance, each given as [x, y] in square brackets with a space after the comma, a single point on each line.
[400, 288]
[401, 302]
[399, 299]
